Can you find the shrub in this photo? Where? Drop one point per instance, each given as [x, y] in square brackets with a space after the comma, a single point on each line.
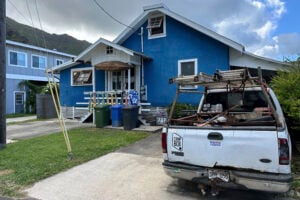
[182, 109]
[286, 85]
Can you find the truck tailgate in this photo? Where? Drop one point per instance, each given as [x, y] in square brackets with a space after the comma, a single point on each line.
[248, 149]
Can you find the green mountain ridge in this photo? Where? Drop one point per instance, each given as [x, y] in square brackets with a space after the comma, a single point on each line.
[26, 34]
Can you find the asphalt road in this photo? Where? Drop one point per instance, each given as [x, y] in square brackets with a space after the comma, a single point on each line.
[134, 172]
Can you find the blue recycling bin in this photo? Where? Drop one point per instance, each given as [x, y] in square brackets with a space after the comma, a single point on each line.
[116, 115]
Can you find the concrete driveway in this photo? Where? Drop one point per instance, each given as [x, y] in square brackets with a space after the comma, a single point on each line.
[134, 172]
[36, 128]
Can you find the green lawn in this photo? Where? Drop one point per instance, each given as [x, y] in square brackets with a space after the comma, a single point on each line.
[31, 160]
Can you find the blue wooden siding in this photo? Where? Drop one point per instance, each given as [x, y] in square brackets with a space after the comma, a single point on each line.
[69, 95]
[181, 42]
[100, 80]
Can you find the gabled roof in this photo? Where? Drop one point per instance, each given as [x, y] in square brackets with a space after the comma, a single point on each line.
[148, 10]
[82, 56]
[28, 46]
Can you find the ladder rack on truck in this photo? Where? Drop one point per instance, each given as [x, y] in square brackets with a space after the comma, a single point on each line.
[220, 79]
[229, 79]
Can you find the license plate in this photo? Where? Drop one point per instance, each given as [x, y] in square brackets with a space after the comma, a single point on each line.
[223, 175]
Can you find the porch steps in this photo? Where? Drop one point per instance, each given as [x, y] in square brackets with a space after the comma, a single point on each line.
[143, 121]
[86, 117]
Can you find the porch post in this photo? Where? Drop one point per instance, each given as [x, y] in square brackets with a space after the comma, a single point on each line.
[94, 90]
[129, 79]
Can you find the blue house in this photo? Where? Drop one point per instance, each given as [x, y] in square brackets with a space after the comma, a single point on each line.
[27, 62]
[158, 45]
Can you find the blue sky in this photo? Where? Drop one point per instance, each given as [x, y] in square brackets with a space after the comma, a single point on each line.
[290, 19]
[267, 28]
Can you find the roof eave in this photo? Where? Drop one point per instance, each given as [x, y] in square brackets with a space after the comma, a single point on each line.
[142, 18]
[38, 48]
[267, 59]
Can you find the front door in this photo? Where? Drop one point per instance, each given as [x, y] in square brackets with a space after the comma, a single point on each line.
[19, 102]
[122, 80]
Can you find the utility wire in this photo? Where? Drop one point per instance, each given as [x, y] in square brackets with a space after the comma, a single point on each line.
[42, 33]
[19, 11]
[34, 30]
[107, 13]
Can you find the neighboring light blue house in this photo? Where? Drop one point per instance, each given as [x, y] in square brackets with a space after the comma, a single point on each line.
[27, 62]
[161, 44]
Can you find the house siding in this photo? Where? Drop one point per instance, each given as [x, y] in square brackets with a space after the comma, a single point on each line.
[181, 42]
[70, 95]
[12, 85]
[16, 74]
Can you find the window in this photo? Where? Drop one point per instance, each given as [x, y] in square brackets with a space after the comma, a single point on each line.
[117, 80]
[17, 58]
[38, 62]
[186, 68]
[109, 50]
[82, 77]
[156, 26]
[19, 98]
[59, 62]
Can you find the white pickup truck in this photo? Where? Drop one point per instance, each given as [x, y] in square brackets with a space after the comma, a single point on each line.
[237, 138]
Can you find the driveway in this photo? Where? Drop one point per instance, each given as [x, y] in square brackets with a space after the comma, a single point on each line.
[37, 128]
[134, 172]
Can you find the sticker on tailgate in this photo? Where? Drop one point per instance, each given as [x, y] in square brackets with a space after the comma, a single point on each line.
[177, 142]
[215, 143]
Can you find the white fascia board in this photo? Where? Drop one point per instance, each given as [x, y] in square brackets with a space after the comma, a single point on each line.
[155, 6]
[135, 25]
[266, 59]
[250, 60]
[38, 48]
[63, 66]
[143, 17]
[27, 77]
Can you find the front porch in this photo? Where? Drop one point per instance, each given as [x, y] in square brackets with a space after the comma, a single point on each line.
[122, 72]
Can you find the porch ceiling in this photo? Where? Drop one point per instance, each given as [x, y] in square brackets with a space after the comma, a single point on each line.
[113, 66]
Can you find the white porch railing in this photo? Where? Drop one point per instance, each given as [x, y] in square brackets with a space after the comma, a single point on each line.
[74, 112]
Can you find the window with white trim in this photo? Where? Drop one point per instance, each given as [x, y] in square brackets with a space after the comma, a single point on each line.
[59, 61]
[17, 58]
[38, 62]
[81, 77]
[156, 26]
[186, 68]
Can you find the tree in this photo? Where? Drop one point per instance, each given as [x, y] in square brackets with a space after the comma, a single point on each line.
[32, 90]
[286, 85]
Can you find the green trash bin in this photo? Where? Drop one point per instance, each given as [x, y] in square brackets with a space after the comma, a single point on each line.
[102, 115]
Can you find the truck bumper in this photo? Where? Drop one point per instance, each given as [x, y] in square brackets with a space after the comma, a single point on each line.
[268, 182]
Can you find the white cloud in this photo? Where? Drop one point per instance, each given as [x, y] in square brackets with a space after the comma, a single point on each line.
[278, 5]
[283, 45]
[265, 30]
[257, 4]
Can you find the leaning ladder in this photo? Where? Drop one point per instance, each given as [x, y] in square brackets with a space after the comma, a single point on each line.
[55, 97]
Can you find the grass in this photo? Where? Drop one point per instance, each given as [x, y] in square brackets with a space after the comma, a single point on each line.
[15, 115]
[28, 161]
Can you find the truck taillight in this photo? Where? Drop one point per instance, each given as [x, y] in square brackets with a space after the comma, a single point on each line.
[283, 150]
[164, 142]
